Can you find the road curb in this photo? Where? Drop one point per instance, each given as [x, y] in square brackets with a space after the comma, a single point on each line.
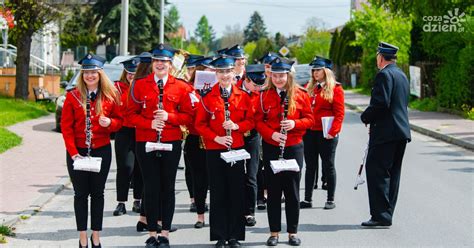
[37, 204]
[427, 132]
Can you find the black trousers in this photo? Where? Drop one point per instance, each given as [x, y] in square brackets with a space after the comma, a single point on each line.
[227, 186]
[127, 165]
[91, 184]
[286, 182]
[315, 146]
[159, 177]
[188, 171]
[260, 181]
[196, 158]
[252, 146]
[383, 168]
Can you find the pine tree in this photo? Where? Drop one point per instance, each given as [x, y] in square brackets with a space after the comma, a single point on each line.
[204, 32]
[255, 29]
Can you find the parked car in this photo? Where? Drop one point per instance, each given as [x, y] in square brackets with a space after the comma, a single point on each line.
[303, 73]
[113, 71]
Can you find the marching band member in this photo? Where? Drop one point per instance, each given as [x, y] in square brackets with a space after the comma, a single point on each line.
[90, 113]
[125, 147]
[164, 105]
[240, 60]
[219, 135]
[195, 155]
[261, 189]
[191, 64]
[283, 93]
[252, 84]
[327, 99]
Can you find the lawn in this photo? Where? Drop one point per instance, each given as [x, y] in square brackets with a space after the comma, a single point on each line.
[13, 111]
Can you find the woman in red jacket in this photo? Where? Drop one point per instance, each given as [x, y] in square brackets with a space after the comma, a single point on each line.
[283, 93]
[327, 100]
[127, 164]
[160, 104]
[95, 101]
[227, 180]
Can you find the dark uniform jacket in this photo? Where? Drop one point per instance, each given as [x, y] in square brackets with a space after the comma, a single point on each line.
[387, 112]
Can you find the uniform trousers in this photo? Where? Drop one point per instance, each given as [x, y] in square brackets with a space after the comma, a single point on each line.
[159, 177]
[286, 182]
[252, 146]
[91, 184]
[383, 170]
[227, 190]
[188, 171]
[315, 146]
[196, 157]
[127, 165]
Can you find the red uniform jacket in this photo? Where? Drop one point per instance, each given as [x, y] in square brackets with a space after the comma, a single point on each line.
[176, 102]
[269, 123]
[322, 107]
[123, 89]
[191, 128]
[73, 123]
[209, 125]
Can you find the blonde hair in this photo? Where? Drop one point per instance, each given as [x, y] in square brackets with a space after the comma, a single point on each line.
[105, 90]
[291, 87]
[327, 92]
[123, 77]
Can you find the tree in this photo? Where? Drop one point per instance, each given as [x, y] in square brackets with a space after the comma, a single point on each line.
[143, 25]
[232, 35]
[316, 23]
[256, 29]
[315, 42]
[79, 29]
[248, 49]
[204, 33]
[264, 45]
[375, 24]
[31, 17]
[173, 19]
[280, 40]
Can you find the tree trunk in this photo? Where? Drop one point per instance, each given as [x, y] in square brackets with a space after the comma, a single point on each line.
[23, 65]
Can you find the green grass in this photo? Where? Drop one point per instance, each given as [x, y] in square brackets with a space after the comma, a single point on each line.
[13, 111]
[6, 231]
[425, 104]
[361, 90]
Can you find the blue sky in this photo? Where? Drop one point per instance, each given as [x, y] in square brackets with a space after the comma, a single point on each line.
[285, 16]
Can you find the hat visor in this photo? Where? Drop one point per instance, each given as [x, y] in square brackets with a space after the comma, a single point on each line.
[317, 67]
[280, 71]
[161, 58]
[131, 71]
[224, 67]
[190, 66]
[90, 68]
[208, 66]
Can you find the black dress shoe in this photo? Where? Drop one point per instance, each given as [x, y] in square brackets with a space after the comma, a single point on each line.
[120, 210]
[375, 223]
[329, 205]
[95, 246]
[136, 207]
[159, 228]
[192, 207]
[80, 246]
[294, 241]
[151, 242]
[163, 241]
[306, 204]
[141, 226]
[199, 224]
[250, 221]
[220, 244]
[272, 241]
[234, 243]
[261, 205]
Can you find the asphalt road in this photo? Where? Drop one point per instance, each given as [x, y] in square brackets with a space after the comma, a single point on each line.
[435, 206]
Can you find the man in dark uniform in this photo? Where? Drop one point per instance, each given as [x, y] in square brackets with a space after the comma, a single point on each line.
[387, 115]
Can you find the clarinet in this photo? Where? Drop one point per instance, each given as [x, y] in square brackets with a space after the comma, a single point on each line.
[282, 130]
[160, 106]
[88, 125]
[225, 96]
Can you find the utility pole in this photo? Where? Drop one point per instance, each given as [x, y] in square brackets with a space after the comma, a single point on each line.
[162, 21]
[124, 29]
